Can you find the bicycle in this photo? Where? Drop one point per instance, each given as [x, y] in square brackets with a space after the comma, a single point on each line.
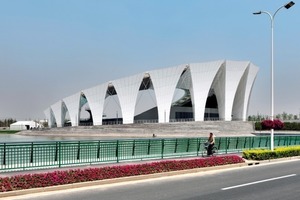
[214, 149]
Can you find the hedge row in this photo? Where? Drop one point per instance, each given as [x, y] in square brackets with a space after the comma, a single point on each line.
[20, 182]
[288, 126]
[8, 131]
[264, 154]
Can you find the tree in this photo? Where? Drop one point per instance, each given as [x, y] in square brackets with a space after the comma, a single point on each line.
[7, 122]
[278, 116]
[284, 116]
[290, 116]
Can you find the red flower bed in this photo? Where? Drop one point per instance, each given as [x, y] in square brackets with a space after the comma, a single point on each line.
[81, 175]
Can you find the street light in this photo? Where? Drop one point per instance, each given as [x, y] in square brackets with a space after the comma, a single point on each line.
[287, 6]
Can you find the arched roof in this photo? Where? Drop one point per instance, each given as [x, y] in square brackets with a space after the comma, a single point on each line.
[231, 82]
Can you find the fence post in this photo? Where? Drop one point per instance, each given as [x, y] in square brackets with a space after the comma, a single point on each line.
[279, 139]
[78, 151]
[117, 151]
[219, 145]
[59, 154]
[237, 143]
[149, 146]
[31, 153]
[198, 145]
[98, 150]
[133, 148]
[56, 152]
[4, 154]
[176, 143]
[188, 145]
[289, 141]
[162, 148]
[226, 145]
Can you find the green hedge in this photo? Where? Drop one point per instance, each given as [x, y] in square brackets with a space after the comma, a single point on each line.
[264, 154]
[8, 131]
[292, 126]
[258, 126]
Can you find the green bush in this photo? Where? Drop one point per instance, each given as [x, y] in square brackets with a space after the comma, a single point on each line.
[292, 126]
[265, 154]
[258, 126]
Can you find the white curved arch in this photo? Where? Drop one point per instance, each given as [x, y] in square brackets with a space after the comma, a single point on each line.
[234, 72]
[219, 88]
[202, 75]
[57, 111]
[164, 83]
[127, 89]
[49, 116]
[72, 103]
[238, 103]
[96, 97]
[251, 76]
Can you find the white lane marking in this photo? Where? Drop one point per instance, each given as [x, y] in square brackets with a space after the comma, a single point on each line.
[256, 182]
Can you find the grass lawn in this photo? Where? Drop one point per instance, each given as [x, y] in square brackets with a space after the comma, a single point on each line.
[8, 131]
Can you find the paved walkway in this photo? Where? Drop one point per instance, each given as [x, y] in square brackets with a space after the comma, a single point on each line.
[174, 129]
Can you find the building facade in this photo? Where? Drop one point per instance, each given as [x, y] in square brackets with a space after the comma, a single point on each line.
[218, 90]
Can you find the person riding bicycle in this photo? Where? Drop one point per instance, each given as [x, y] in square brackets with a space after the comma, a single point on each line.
[211, 143]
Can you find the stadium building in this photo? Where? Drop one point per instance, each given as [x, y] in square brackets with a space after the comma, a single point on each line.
[218, 90]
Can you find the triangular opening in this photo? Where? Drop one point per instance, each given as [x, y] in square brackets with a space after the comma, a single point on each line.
[85, 114]
[211, 107]
[182, 108]
[65, 115]
[146, 105]
[112, 113]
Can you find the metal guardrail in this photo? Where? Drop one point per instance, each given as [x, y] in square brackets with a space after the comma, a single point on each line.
[37, 155]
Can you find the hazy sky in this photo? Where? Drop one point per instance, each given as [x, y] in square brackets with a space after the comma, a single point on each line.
[50, 49]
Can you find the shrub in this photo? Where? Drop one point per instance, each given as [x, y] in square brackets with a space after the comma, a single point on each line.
[264, 154]
[258, 126]
[27, 181]
[277, 124]
[269, 124]
[292, 126]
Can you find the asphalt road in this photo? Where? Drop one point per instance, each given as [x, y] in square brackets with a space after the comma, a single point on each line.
[264, 181]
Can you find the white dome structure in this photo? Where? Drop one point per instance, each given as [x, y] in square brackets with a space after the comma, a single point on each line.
[218, 90]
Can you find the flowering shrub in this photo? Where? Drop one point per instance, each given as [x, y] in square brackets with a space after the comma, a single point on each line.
[27, 181]
[278, 125]
[269, 124]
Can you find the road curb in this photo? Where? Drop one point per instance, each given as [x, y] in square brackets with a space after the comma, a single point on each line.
[117, 180]
[257, 162]
[279, 159]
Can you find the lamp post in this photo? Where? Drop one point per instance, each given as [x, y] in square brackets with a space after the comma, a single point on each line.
[287, 6]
